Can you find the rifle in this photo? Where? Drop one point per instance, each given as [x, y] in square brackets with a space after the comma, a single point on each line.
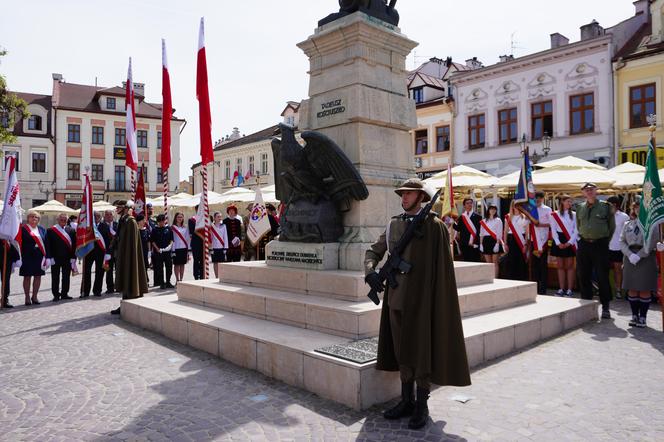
[394, 262]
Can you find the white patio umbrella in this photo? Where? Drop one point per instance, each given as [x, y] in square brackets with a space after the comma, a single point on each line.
[102, 206]
[559, 179]
[628, 176]
[570, 162]
[463, 178]
[54, 207]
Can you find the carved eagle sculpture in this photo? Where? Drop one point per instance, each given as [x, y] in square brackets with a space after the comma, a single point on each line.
[318, 171]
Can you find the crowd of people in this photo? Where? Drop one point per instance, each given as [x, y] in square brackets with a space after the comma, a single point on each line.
[123, 243]
[587, 241]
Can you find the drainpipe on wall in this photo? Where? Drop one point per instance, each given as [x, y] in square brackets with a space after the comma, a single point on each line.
[55, 152]
[616, 111]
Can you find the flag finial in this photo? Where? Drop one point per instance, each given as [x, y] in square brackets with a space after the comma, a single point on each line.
[652, 122]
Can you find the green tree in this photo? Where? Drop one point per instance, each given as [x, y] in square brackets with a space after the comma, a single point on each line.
[12, 108]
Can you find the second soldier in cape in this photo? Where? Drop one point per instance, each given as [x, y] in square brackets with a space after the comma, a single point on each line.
[421, 335]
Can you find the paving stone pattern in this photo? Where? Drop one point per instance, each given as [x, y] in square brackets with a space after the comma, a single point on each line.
[71, 371]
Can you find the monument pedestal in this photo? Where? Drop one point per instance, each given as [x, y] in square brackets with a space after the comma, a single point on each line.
[274, 319]
[297, 255]
[358, 96]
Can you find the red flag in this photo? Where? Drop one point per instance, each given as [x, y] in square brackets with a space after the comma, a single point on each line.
[166, 111]
[130, 133]
[139, 203]
[85, 232]
[202, 93]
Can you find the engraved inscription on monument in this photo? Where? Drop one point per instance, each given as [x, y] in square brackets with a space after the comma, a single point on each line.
[295, 257]
[331, 108]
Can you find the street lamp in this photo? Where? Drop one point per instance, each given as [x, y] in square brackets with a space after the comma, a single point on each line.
[523, 143]
[46, 188]
[546, 148]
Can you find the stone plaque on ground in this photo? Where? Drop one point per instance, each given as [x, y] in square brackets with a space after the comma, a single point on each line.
[360, 352]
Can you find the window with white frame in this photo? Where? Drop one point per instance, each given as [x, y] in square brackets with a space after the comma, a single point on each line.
[39, 162]
[264, 164]
[227, 169]
[238, 165]
[251, 165]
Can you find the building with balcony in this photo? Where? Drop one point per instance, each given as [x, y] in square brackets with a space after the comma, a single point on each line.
[564, 92]
[639, 82]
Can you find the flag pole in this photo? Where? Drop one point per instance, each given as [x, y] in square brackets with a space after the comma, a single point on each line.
[206, 207]
[652, 128]
[165, 179]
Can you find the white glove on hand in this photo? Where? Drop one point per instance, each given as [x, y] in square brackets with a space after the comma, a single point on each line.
[16, 264]
[107, 257]
[481, 248]
[660, 246]
[496, 248]
[74, 266]
[470, 241]
[46, 263]
[236, 241]
[169, 248]
[634, 258]
[52, 262]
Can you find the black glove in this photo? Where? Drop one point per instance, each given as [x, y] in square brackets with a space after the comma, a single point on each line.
[374, 282]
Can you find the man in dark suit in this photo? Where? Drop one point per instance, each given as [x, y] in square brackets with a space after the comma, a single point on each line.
[96, 258]
[108, 229]
[13, 259]
[197, 241]
[61, 247]
[468, 226]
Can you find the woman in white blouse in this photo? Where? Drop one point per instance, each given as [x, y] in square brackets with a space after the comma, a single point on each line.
[565, 236]
[219, 242]
[180, 245]
[491, 232]
[516, 244]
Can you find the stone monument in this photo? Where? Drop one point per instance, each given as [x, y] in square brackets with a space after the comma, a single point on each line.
[358, 97]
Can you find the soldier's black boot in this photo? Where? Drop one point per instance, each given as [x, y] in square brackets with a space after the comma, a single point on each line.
[421, 413]
[407, 404]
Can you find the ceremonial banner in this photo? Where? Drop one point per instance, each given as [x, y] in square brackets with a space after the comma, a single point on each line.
[203, 96]
[525, 192]
[449, 208]
[10, 221]
[85, 231]
[259, 223]
[132, 153]
[651, 212]
[139, 200]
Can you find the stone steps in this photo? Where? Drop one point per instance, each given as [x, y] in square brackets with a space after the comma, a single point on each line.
[286, 352]
[354, 320]
[338, 284]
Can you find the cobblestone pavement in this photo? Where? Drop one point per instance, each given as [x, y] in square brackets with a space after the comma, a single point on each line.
[71, 371]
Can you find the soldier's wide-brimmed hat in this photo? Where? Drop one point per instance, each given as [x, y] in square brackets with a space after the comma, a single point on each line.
[123, 203]
[414, 184]
[589, 186]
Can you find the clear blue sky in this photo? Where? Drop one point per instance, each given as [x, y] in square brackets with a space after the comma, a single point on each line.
[253, 64]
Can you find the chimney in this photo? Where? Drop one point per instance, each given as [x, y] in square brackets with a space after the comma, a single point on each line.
[558, 40]
[436, 60]
[55, 95]
[473, 63]
[139, 88]
[448, 62]
[591, 30]
[506, 58]
[57, 77]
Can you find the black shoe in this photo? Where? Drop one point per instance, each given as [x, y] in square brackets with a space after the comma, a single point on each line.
[162, 286]
[66, 297]
[98, 295]
[109, 292]
[169, 286]
[406, 406]
[421, 412]
[7, 305]
[116, 311]
[56, 298]
[606, 314]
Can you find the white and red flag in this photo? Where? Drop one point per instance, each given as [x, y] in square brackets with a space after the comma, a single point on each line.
[10, 221]
[166, 110]
[259, 223]
[132, 153]
[203, 95]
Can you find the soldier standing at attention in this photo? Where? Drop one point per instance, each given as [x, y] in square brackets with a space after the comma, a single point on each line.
[420, 327]
[595, 223]
[161, 240]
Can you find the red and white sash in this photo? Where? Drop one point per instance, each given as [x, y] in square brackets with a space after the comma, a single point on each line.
[536, 242]
[563, 228]
[38, 239]
[110, 229]
[63, 235]
[469, 225]
[215, 232]
[518, 237]
[485, 226]
[180, 235]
